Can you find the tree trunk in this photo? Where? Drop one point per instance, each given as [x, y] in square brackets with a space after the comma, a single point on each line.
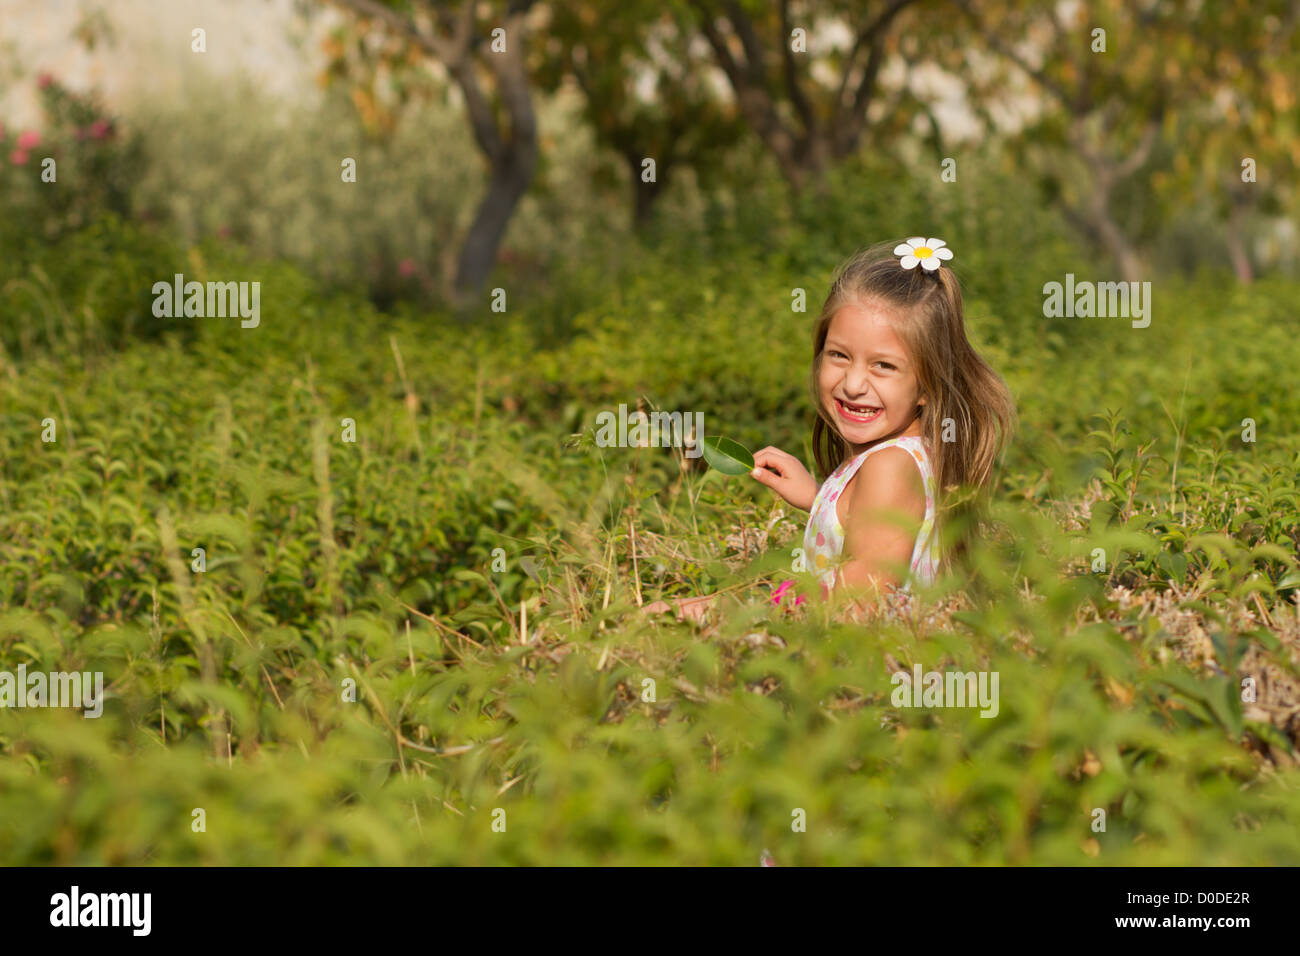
[645, 195]
[512, 156]
[1108, 232]
[1237, 241]
[507, 185]
[1131, 266]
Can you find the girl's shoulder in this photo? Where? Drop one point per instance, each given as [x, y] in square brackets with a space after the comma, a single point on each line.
[915, 445]
[888, 476]
[918, 445]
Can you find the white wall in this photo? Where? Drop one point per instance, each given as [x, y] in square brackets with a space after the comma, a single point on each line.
[152, 48]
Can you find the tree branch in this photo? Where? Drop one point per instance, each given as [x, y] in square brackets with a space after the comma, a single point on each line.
[797, 97]
[403, 25]
[512, 82]
[998, 46]
[454, 54]
[753, 98]
[866, 87]
[1143, 150]
[719, 45]
[744, 28]
[867, 36]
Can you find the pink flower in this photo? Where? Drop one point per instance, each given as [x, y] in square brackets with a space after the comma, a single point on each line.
[28, 139]
[406, 267]
[99, 129]
[18, 157]
[223, 232]
[43, 80]
[779, 593]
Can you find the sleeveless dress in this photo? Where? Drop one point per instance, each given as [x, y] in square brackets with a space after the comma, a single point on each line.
[823, 541]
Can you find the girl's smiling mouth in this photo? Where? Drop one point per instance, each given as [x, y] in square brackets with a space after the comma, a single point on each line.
[858, 414]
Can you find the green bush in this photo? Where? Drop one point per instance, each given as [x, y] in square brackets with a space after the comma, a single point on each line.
[350, 680]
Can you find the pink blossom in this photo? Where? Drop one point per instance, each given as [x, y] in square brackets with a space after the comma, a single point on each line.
[99, 129]
[406, 267]
[224, 232]
[779, 593]
[18, 157]
[28, 139]
[43, 80]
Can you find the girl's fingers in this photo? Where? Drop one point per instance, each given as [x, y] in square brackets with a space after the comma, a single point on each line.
[766, 459]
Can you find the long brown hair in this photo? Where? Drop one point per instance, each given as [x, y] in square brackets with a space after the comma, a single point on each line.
[962, 391]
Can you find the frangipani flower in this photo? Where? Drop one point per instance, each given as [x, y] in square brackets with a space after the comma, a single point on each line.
[928, 252]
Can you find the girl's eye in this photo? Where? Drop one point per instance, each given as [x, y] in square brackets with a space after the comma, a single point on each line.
[885, 364]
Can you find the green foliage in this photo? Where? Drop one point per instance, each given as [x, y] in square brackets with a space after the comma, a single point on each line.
[396, 231]
[94, 163]
[87, 293]
[517, 680]
[729, 457]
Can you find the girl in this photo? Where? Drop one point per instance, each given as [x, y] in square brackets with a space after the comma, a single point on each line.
[904, 407]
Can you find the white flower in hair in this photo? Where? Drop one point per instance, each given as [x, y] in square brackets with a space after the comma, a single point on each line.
[928, 252]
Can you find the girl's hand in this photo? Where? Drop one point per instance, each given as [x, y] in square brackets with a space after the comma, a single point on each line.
[693, 608]
[787, 477]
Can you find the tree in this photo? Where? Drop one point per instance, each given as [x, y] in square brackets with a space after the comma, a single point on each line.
[614, 52]
[1240, 146]
[462, 45]
[1115, 79]
[807, 119]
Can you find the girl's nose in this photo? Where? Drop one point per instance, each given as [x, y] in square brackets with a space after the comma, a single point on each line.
[856, 383]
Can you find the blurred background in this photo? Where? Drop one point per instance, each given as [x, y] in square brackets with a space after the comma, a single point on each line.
[1128, 126]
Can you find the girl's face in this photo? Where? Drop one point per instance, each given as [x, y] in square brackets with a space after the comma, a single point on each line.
[867, 383]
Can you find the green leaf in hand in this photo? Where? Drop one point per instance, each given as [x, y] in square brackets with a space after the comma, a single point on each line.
[727, 456]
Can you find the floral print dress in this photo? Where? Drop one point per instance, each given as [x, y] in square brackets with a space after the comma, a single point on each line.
[823, 541]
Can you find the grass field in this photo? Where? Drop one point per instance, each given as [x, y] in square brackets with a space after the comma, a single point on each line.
[424, 646]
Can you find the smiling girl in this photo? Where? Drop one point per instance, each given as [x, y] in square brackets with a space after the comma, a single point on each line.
[905, 407]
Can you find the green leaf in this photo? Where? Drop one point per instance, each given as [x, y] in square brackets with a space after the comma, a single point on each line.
[1289, 580]
[727, 456]
[529, 564]
[1270, 734]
